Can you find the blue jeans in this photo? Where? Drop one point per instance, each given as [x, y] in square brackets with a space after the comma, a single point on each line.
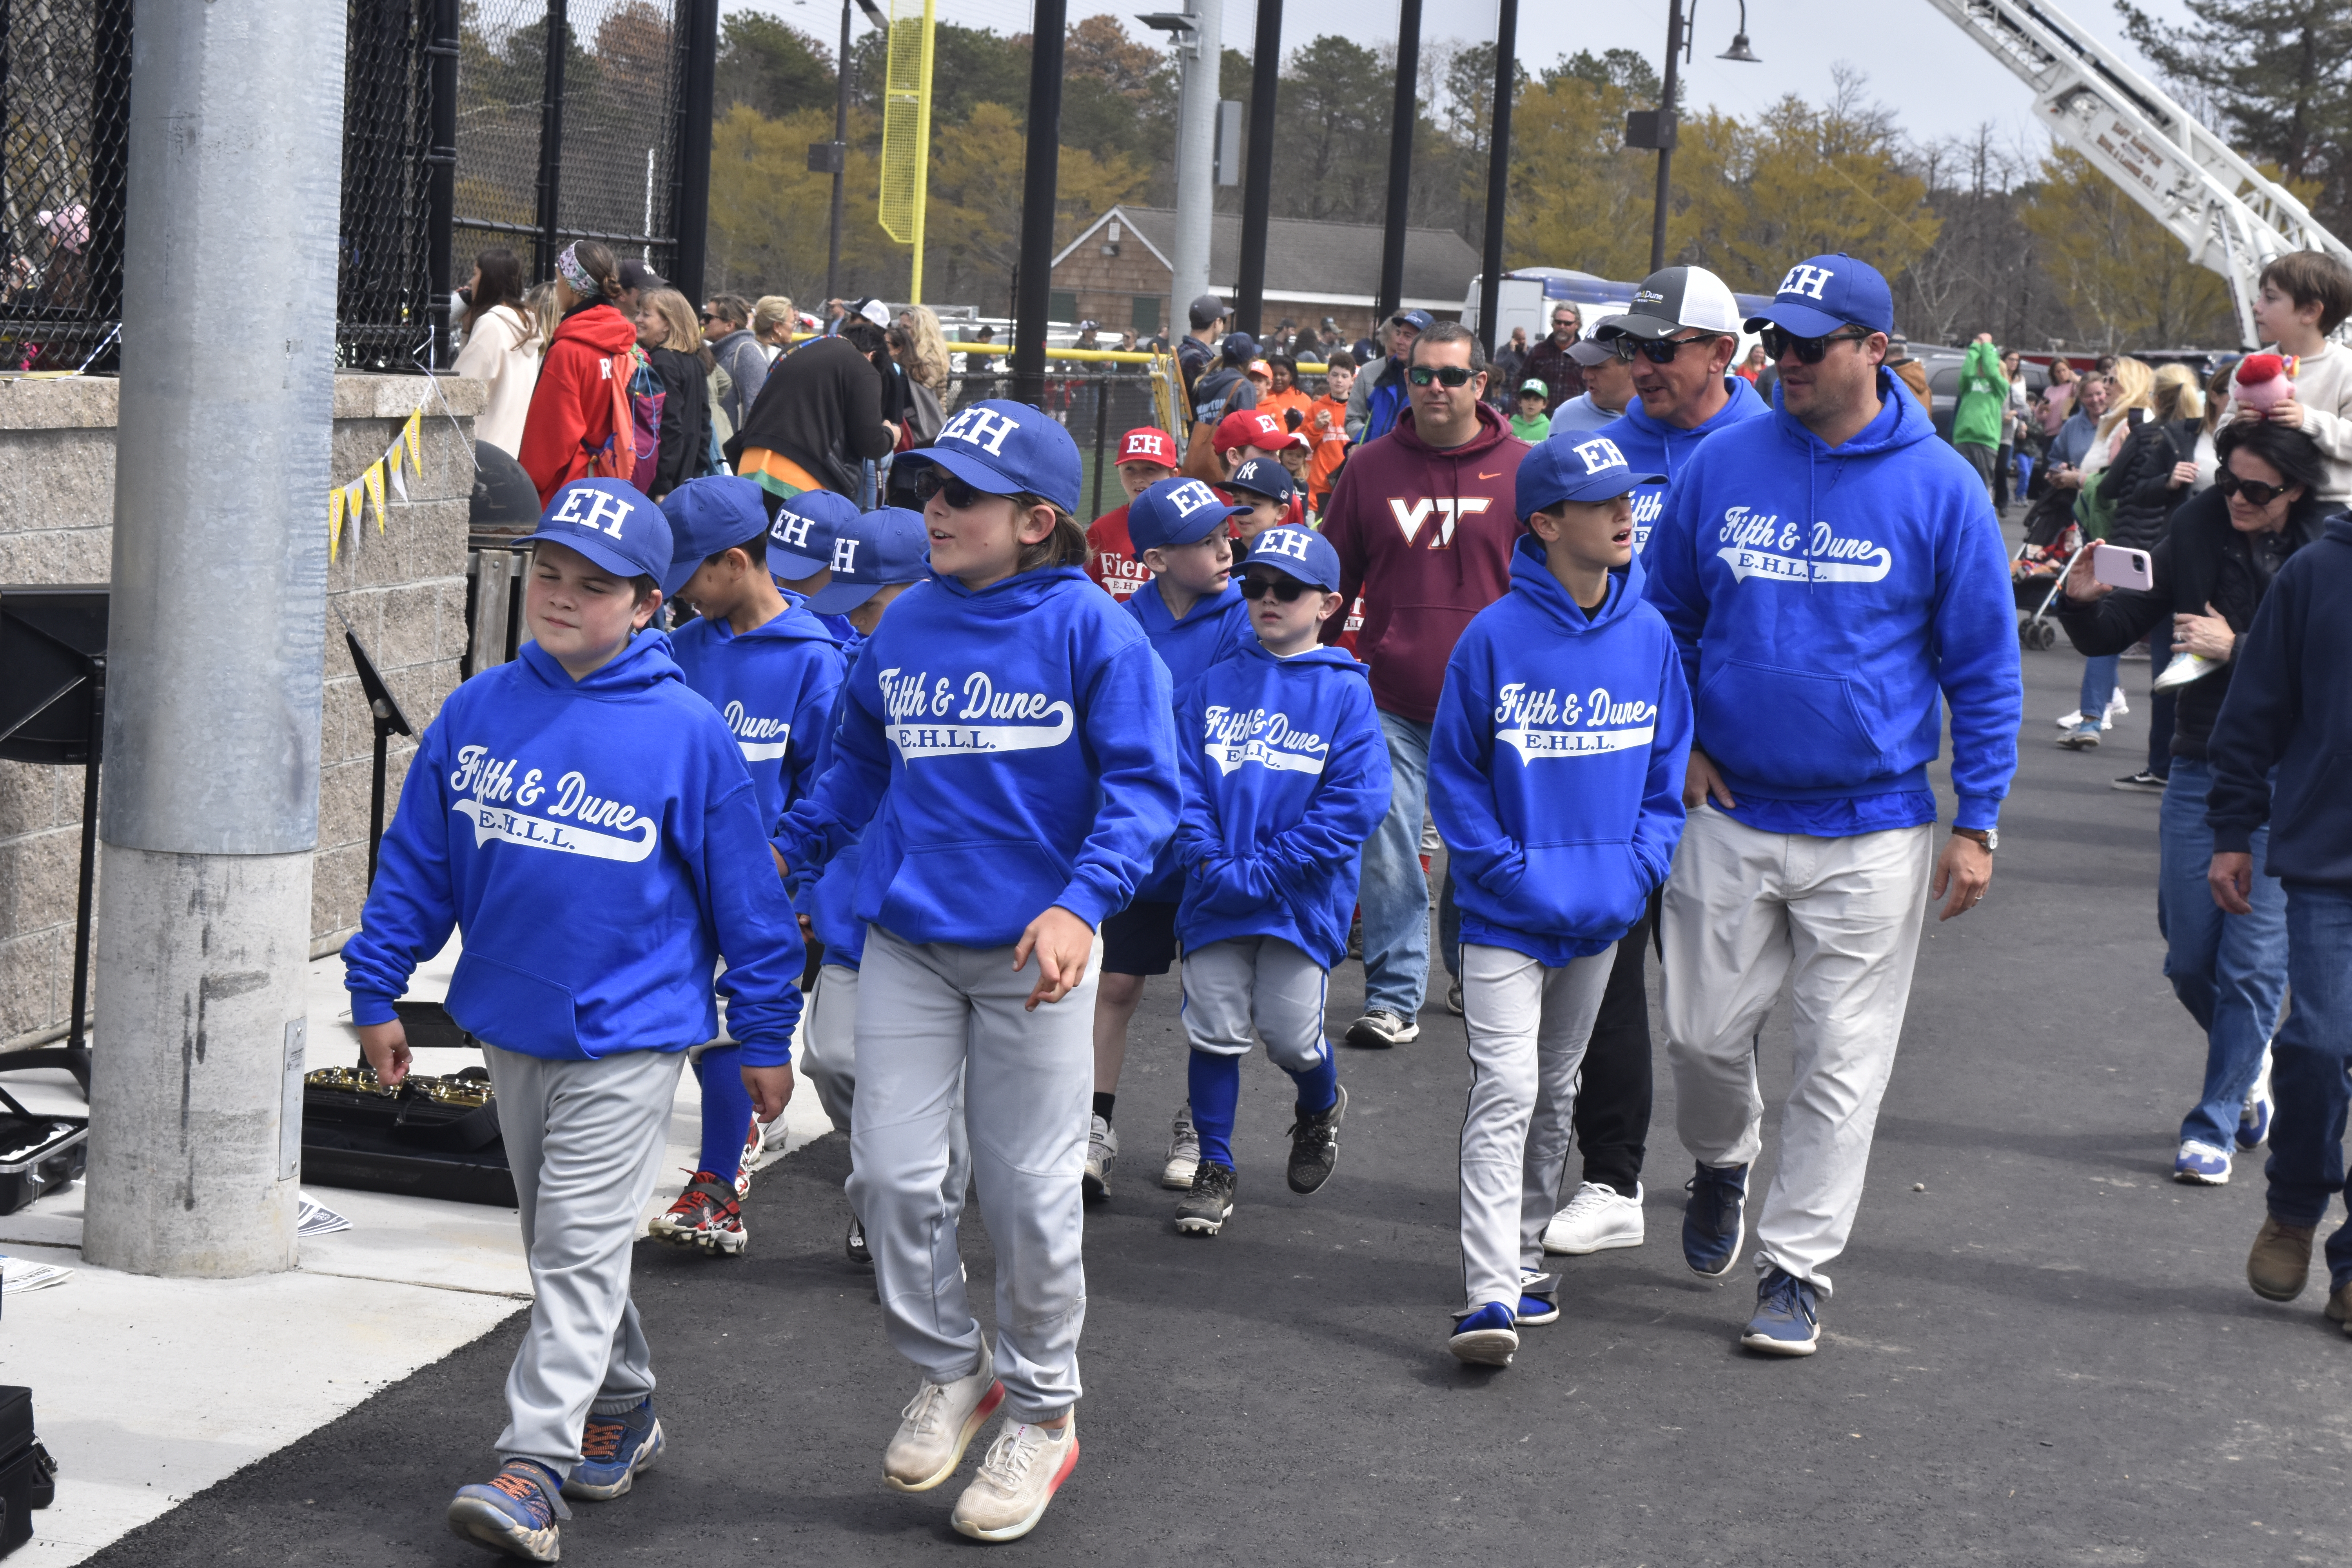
[2099, 685]
[2314, 1050]
[2229, 970]
[1393, 891]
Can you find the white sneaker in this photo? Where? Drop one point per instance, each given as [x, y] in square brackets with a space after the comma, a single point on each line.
[2118, 707]
[1024, 1467]
[1598, 1218]
[937, 1424]
[1102, 1154]
[2071, 720]
[1183, 1154]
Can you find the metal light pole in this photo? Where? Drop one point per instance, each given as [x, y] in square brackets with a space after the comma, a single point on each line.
[1666, 143]
[550, 143]
[1266, 74]
[1200, 48]
[1498, 171]
[1401, 128]
[1038, 176]
[209, 815]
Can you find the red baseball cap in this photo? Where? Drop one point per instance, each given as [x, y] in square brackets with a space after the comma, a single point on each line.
[1250, 427]
[1148, 444]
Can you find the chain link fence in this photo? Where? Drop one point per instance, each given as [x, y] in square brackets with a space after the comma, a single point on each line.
[383, 292]
[65, 112]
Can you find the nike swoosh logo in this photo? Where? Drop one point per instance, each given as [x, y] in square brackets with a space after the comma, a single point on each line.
[1496, 474]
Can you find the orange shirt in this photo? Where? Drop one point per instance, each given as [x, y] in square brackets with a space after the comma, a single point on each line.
[1331, 444]
[1276, 402]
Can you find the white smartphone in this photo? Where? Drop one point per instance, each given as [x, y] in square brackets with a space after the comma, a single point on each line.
[2121, 567]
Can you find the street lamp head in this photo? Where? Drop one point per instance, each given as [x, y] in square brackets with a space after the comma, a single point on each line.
[1739, 50]
[1177, 22]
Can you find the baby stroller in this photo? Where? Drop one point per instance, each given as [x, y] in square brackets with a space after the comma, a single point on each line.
[2038, 570]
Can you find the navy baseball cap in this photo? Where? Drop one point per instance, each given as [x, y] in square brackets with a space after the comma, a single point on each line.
[1419, 321]
[871, 552]
[1300, 552]
[1239, 348]
[800, 542]
[1264, 476]
[1823, 294]
[1007, 448]
[706, 516]
[613, 524]
[1176, 512]
[1580, 467]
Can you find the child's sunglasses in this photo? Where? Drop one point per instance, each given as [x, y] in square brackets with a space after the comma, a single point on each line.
[1444, 375]
[1809, 351]
[2256, 492]
[1285, 590]
[935, 480]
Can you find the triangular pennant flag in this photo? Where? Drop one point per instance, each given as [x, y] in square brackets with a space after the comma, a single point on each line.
[412, 436]
[373, 479]
[355, 505]
[334, 522]
[393, 465]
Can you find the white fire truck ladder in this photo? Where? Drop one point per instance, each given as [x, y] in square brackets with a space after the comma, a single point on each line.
[2230, 216]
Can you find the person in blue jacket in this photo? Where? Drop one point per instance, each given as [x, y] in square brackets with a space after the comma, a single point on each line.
[882, 553]
[1285, 775]
[804, 548]
[587, 824]
[1007, 746]
[771, 671]
[1555, 778]
[1193, 616]
[1834, 577]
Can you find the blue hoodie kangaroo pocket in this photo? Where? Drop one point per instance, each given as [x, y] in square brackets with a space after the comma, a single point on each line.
[1792, 727]
[1588, 889]
[513, 1008]
[971, 884]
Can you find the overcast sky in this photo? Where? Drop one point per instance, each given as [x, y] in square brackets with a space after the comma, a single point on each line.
[1917, 60]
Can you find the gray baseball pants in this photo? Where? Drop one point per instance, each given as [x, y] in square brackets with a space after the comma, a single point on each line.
[829, 1061]
[1256, 983]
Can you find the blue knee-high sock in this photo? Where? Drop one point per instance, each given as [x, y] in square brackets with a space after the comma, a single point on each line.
[725, 1109]
[1318, 1086]
[1216, 1084]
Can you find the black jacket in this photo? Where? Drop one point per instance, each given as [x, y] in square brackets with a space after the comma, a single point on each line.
[2203, 562]
[686, 419]
[822, 407]
[2136, 484]
[2291, 708]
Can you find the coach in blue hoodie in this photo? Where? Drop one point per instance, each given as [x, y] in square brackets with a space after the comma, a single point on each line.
[1555, 775]
[1833, 576]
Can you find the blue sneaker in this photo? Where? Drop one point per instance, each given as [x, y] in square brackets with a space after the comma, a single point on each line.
[514, 1511]
[1486, 1337]
[613, 1450]
[1787, 1320]
[2201, 1165]
[1714, 1221]
[2254, 1119]
[1537, 1307]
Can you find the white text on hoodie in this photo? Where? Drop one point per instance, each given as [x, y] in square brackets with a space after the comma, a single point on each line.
[1234, 737]
[1757, 546]
[570, 817]
[1547, 724]
[910, 700]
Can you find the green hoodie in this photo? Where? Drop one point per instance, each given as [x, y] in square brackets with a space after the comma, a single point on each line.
[1984, 391]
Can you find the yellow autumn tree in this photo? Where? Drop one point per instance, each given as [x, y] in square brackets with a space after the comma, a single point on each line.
[2126, 278]
[1577, 197]
[771, 216]
[973, 232]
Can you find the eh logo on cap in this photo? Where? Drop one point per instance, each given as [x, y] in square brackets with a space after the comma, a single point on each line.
[1806, 280]
[1288, 541]
[982, 428]
[845, 555]
[600, 506]
[791, 531]
[1600, 453]
[1190, 498]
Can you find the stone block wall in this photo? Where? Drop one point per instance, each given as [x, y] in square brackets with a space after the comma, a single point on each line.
[402, 592]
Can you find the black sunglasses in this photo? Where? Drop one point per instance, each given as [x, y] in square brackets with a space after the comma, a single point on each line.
[1657, 351]
[1809, 351]
[1285, 589]
[1444, 375]
[935, 480]
[2256, 492]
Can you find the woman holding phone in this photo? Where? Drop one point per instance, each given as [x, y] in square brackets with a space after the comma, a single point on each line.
[2210, 572]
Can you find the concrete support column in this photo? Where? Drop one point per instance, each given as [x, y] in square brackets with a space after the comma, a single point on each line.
[1196, 159]
[210, 804]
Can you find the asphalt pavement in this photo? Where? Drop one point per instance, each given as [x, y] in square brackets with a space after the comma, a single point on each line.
[2040, 1349]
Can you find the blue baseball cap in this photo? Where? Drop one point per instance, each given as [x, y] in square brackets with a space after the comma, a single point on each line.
[1580, 467]
[1007, 448]
[869, 553]
[613, 524]
[1300, 552]
[1177, 511]
[1239, 348]
[1264, 476]
[1419, 321]
[1824, 293]
[800, 540]
[706, 516]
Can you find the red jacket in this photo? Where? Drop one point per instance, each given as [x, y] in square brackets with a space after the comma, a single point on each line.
[1425, 536]
[572, 404]
[1111, 559]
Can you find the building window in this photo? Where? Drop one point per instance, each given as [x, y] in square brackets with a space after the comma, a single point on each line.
[1061, 305]
[1147, 314]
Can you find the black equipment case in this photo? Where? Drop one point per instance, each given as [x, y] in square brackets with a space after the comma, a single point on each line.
[27, 1474]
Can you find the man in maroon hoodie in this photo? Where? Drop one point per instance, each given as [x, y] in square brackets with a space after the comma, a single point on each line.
[1423, 519]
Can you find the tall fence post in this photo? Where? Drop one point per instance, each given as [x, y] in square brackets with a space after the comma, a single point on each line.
[1035, 280]
[1498, 174]
[1257, 190]
[441, 179]
[551, 141]
[1406, 114]
[691, 208]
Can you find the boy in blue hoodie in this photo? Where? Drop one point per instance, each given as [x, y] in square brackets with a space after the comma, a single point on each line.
[804, 544]
[1193, 616]
[587, 823]
[1555, 776]
[1007, 747]
[1285, 775]
[771, 671]
[1835, 578]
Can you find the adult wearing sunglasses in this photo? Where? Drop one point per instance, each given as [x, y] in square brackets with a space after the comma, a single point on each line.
[1835, 578]
[2211, 572]
[1423, 520]
[727, 328]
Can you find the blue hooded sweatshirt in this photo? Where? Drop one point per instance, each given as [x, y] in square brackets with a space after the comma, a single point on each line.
[832, 904]
[1556, 764]
[1213, 629]
[1012, 748]
[1652, 447]
[1828, 603]
[1285, 775]
[600, 848]
[774, 685]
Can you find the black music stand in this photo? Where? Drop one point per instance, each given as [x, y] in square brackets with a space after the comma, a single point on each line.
[53, 713]
[389, 722]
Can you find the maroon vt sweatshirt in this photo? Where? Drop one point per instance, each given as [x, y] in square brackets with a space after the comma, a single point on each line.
[1425, 534]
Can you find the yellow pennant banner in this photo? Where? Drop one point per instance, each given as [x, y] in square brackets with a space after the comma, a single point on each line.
[373, 479]
[351, 503]
[334, 522]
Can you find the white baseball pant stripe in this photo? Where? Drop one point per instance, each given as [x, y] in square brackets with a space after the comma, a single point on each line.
[1836, 919]
[1529, 1025]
